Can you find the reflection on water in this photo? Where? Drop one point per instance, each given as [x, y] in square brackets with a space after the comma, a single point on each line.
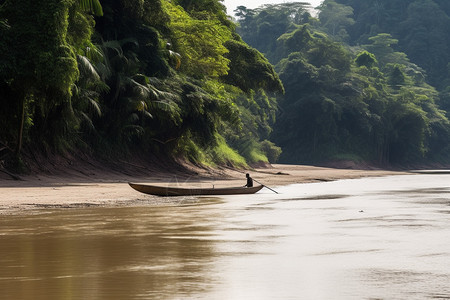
[377, 238]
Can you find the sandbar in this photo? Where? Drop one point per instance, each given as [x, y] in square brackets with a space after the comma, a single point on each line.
[104, 188]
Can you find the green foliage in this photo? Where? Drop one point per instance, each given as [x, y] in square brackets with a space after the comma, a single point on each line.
[422, 35]
[174, 77]
[85, 95]
[223, 154]
[249, 69]
[218, 153]
[79, 31]
[339, 104]
[271, 151]
[261, 27]
[256, 155]
[205, 10]
[298, 40]
[200, 42]
[335, 18]
[366, 59]
[154, 76]
[409, 126]
[382, 48]
[91, 6]
[40, 72]
[397, 77]
[422, 28]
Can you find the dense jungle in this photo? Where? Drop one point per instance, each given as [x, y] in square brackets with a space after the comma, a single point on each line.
[365, 81]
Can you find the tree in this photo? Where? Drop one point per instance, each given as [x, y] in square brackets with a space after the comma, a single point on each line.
[367, 59]
[261, 27]
[397, 77]
[200, 43]
[422, 34]
[335, 18]
[41, 70]
[204, 9]
[419, 26]
[249, 69]
[355, 102]
[319, 109]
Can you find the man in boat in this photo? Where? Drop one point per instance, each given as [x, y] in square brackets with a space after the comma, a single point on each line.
[249, 181]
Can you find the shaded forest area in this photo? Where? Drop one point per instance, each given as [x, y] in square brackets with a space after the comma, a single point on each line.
[157, 78]
[366, 81]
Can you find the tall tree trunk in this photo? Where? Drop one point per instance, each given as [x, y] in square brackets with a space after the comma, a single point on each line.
[21, 114]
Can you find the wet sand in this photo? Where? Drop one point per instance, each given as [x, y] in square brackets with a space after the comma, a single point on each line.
[108, 189]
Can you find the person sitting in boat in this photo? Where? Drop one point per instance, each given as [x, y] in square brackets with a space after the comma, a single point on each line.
[249, 181]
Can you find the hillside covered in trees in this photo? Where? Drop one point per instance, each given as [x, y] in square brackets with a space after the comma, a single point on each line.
[163, 78]
[363, 81]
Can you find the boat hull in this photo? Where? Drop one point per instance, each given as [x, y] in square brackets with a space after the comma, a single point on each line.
[174, 191]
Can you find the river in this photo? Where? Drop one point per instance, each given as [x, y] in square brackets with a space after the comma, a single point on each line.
[371, 238]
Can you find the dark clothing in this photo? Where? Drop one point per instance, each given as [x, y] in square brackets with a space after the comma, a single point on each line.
[249, 182]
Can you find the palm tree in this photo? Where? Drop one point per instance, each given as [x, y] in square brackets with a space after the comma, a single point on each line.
[132, 96]
[86, 92]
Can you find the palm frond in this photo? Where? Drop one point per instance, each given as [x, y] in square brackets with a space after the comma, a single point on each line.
[95, 106]
[129, 41]
[148, 115]
[141, 106]
[114, 45]
[176, 57]
[86, 68]
[4, 24]
[93, 53]
[101, 87]
[132, 130]
[86, 121]
[93, 6]
[133, 118]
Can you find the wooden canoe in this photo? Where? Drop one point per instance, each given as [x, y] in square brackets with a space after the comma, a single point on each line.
[176, 191]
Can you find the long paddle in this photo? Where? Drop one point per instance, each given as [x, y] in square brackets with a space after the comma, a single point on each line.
[265, 186]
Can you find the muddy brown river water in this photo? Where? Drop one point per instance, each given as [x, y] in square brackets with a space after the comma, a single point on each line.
[373, 238]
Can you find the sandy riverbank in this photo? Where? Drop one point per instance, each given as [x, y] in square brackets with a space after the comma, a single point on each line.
[108, 189]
